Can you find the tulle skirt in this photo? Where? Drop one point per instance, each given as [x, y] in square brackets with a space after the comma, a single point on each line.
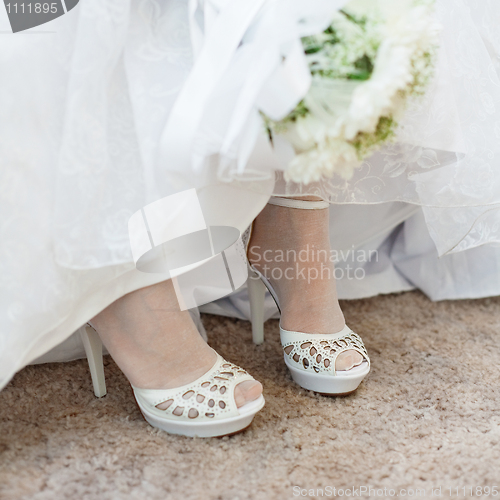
[84, 104]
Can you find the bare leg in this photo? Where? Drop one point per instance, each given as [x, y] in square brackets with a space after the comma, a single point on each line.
[291, 247]
[156, 345]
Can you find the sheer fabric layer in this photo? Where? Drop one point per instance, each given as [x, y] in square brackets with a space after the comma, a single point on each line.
[447, 155]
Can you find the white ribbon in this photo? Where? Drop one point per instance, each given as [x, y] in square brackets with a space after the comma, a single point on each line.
[248, 58]
[215, 56]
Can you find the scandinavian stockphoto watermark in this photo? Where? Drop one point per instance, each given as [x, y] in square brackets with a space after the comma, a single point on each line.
[26, 14]
[311, 264]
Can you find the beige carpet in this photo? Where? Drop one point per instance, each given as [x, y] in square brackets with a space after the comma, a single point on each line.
[427, 417]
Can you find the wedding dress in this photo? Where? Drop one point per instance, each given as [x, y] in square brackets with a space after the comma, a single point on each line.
[84, 104]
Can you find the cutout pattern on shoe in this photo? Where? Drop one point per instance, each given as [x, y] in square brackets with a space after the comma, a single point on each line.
[211, 397]
[319, 354]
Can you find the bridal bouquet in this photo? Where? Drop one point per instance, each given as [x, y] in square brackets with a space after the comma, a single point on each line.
[374, 57]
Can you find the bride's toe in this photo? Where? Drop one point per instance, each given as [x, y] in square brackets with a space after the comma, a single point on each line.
[347, 360]
[247, 391]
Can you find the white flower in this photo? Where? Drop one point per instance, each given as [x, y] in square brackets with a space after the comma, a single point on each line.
[344, 107]
[333, 156]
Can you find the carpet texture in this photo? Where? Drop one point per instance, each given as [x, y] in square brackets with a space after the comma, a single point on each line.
[426, 417]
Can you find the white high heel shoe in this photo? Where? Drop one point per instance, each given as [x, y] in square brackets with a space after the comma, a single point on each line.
[203, 408]
[309, 357]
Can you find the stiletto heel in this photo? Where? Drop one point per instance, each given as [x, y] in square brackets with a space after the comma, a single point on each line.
[309, 357]
[257, 295]
[93, 349]
[203, 408]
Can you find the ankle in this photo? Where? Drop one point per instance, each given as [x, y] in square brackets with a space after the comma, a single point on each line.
[170, 372]
[154, 343]
[312, 317]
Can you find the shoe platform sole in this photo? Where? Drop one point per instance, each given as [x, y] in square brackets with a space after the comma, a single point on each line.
[341, 384]
[206, 429]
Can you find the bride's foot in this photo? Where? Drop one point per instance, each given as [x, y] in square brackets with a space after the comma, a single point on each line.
[156, 345]
[291, 248]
